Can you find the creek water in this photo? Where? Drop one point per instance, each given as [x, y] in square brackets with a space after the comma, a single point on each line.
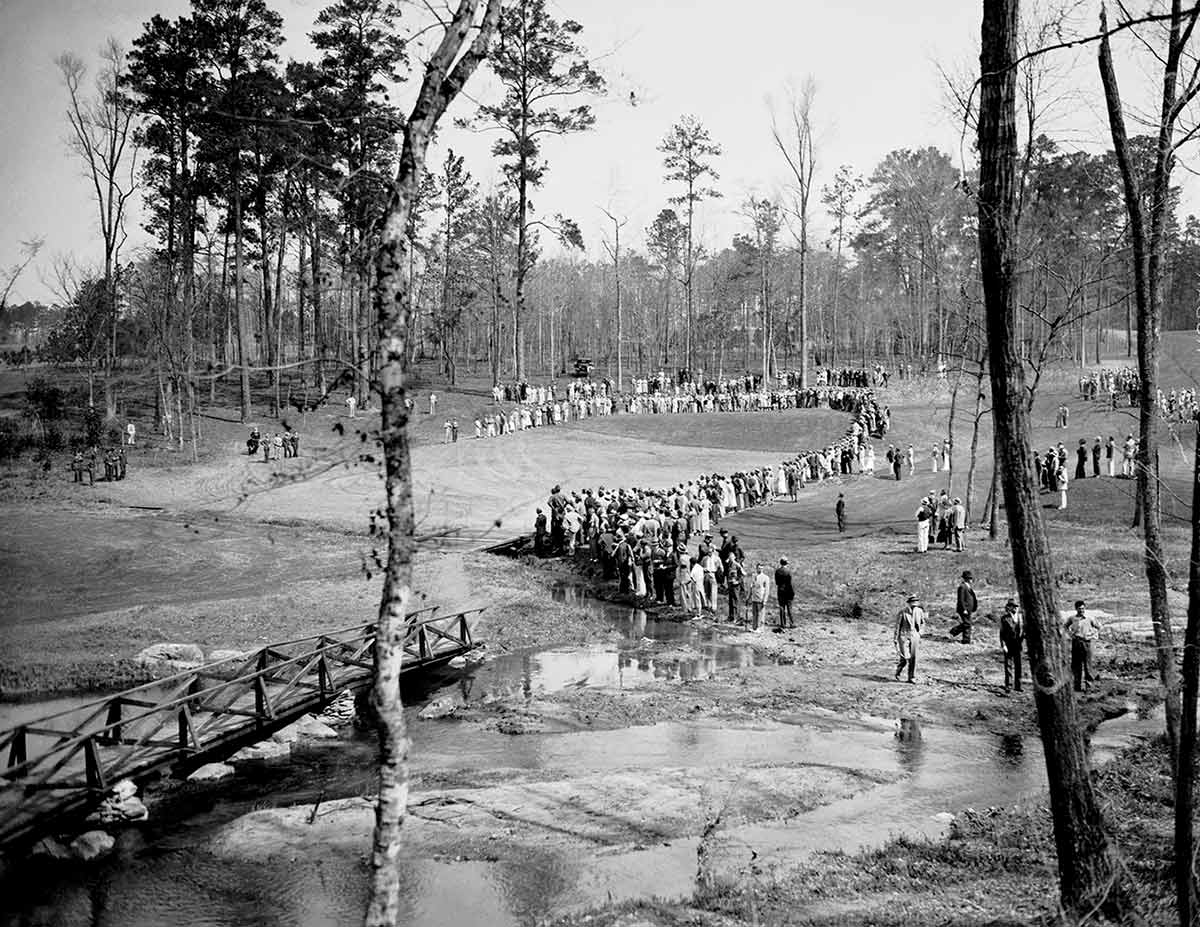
[162, 873]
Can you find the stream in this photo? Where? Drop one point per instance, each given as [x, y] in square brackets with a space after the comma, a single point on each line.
[902, 777]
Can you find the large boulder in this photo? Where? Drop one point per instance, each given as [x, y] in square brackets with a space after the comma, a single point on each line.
[123, 790]
[311, 727]
[92, 845]
[442, 707]
[261, 752]
[225, 664]
[120, 811]
[212, 772]
[166, 659]
[218, 656]
[307, 728]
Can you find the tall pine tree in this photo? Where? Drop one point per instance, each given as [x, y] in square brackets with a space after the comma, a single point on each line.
[545, 74]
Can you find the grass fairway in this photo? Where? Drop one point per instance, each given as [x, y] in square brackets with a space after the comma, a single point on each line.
[238, 537]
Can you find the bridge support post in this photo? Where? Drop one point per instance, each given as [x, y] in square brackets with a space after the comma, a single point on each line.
[17, 751]
[95, 769]
[112, 722]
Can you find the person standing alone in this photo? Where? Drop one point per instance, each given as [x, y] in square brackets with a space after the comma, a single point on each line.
[840, 510]
[784, 593]
[965, 607]
[1084, 630]
[1012, 639]
[759, 586]
[910, 621]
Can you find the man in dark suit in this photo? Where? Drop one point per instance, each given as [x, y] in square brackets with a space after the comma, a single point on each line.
[1012, 639]
[965, 607]
[840, 510]
[784, 593]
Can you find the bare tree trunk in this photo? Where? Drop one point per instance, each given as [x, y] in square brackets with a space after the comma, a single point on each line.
[688, 279]
[281, 256]
[1087, 870]
[804, 300]
[970, 490]
[1185, 778]
[243, 329]
[1147, 240]
[448, 69]
[962, 363]
[522, 261]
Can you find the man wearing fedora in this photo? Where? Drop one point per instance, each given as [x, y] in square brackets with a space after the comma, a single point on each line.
[910, 621]
[1012, 639]
[965, 607]
[1083, 630]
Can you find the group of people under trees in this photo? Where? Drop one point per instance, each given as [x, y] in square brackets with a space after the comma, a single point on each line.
[941, 520]
[85, 460]
[1175, 405]
[861, 377]
[641, 537]
[1053, 471]
[83, 463]
[277, 446]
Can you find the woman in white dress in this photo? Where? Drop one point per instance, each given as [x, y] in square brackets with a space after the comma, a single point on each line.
[781, 483]
[935, 455]
[871, 458]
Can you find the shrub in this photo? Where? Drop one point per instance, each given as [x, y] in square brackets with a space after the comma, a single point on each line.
[13, 442]
[93, 426]
[45, 400]
[53, 441]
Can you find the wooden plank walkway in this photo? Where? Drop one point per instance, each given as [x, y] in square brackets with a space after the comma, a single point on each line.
[65, 763]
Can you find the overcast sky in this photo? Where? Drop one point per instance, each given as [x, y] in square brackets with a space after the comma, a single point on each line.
[875, 63]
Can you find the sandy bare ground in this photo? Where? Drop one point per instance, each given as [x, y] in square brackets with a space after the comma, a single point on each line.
[234, 551]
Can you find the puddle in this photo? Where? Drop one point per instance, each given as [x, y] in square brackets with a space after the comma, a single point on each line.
[167, 877]
[163, 873]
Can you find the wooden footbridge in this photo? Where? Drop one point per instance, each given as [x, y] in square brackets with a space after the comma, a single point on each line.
[65, 763]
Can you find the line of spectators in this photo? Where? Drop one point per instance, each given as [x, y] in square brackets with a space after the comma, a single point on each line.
[640, 536]
[528, 415]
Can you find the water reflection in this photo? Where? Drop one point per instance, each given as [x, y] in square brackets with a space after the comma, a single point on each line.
[1012, 748]
[173, 877]
[909, 745]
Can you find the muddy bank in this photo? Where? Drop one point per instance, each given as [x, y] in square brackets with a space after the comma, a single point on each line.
[652, 759]
[829, 663]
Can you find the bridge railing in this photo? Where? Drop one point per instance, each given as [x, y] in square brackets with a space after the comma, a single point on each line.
[72, 757]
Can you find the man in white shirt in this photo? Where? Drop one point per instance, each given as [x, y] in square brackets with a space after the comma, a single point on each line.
[910, 621]
[1084, 631]
[759, 587]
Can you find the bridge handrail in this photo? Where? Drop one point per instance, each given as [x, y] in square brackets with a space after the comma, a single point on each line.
[70, 743]
[249, 656]
[54, 767]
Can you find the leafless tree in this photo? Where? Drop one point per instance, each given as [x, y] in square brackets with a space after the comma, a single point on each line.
[464, 41]
[1147, 205]
[103, 137]
[795, 142]
[1087, 869]
[9, 277]
[614, 252]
